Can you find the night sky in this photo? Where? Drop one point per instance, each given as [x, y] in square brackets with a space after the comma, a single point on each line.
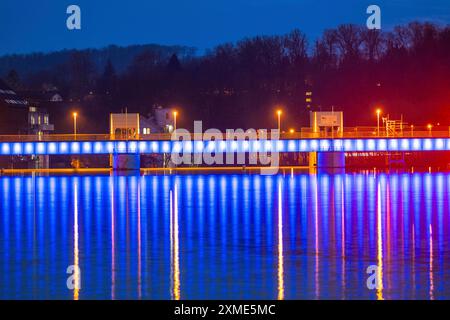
[30, 26]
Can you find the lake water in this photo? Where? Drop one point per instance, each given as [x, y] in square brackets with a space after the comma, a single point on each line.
[290, 236]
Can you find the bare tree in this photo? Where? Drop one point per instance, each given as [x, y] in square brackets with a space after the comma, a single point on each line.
[373, 44]
[348, 40]
[296, 46]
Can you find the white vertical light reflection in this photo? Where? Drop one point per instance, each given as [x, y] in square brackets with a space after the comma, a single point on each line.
[76, 262]
[388, 253]
[413, 258]
[343, 238]
[431, 265]
[316, 235]
[113, 241]
[174, 247]
[139, 239]
[379, 246]
[280, 244]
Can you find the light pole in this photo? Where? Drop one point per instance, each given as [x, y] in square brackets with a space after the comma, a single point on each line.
[378, 121]
[75, 115]
[279, 113]
[175, 113]
[412, 130]
[430, 128]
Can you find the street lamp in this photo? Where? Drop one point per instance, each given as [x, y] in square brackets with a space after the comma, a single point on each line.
[175, 113]
[412, 130]
[378, 121]
[75, 115]
[430, 128]
[279, 113]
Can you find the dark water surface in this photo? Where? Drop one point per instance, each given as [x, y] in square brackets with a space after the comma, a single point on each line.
[293, 236]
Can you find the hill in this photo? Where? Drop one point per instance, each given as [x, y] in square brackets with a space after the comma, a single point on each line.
[121, 57]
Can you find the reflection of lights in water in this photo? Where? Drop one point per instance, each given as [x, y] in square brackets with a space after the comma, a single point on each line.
[280, 246]
[174, 247]
[418, 203]
[343, 239]
[316, 234]
[431, 264]
[388, 253]
[414, 257]
[379, 247]
[139, 240]
[76, 291]
[113, 249]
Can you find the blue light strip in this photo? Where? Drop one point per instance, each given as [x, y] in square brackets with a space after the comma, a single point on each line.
[159, 147]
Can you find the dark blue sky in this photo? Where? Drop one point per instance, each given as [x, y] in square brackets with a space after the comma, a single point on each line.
[29, 26]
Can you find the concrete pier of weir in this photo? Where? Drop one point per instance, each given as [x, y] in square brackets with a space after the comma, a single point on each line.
[126, 162]
[331, 160]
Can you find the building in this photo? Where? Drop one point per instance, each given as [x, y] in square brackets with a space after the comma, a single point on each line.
[124, 125]
[20, 116]
[325, 124]
[41, 97]
[13, 111]
[135, 124]
[309, 101]
[38, 121]
[164, 118]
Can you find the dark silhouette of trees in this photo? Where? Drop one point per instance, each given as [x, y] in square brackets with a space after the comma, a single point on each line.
[12, 79]
[107, 82]
[174, 64]
[350, 68]
[82, 75]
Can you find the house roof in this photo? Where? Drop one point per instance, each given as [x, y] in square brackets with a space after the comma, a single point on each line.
[41, 96]
[8, 97]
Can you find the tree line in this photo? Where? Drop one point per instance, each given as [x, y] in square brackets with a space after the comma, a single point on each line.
[406, 71]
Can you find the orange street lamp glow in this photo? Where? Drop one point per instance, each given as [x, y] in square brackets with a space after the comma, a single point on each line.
[430, 127]
[292, 131]
[378, 121]
[175, 114]
[279, 113]
[75, 115]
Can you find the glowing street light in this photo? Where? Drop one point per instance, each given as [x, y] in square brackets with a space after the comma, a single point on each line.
[430, 128]
[378, 121]
[412, 130]
[75, 115]
[175, 114]
[279, 113]
[292, 131]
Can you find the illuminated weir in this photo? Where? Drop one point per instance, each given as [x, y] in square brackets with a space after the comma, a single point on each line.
[329, 151]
